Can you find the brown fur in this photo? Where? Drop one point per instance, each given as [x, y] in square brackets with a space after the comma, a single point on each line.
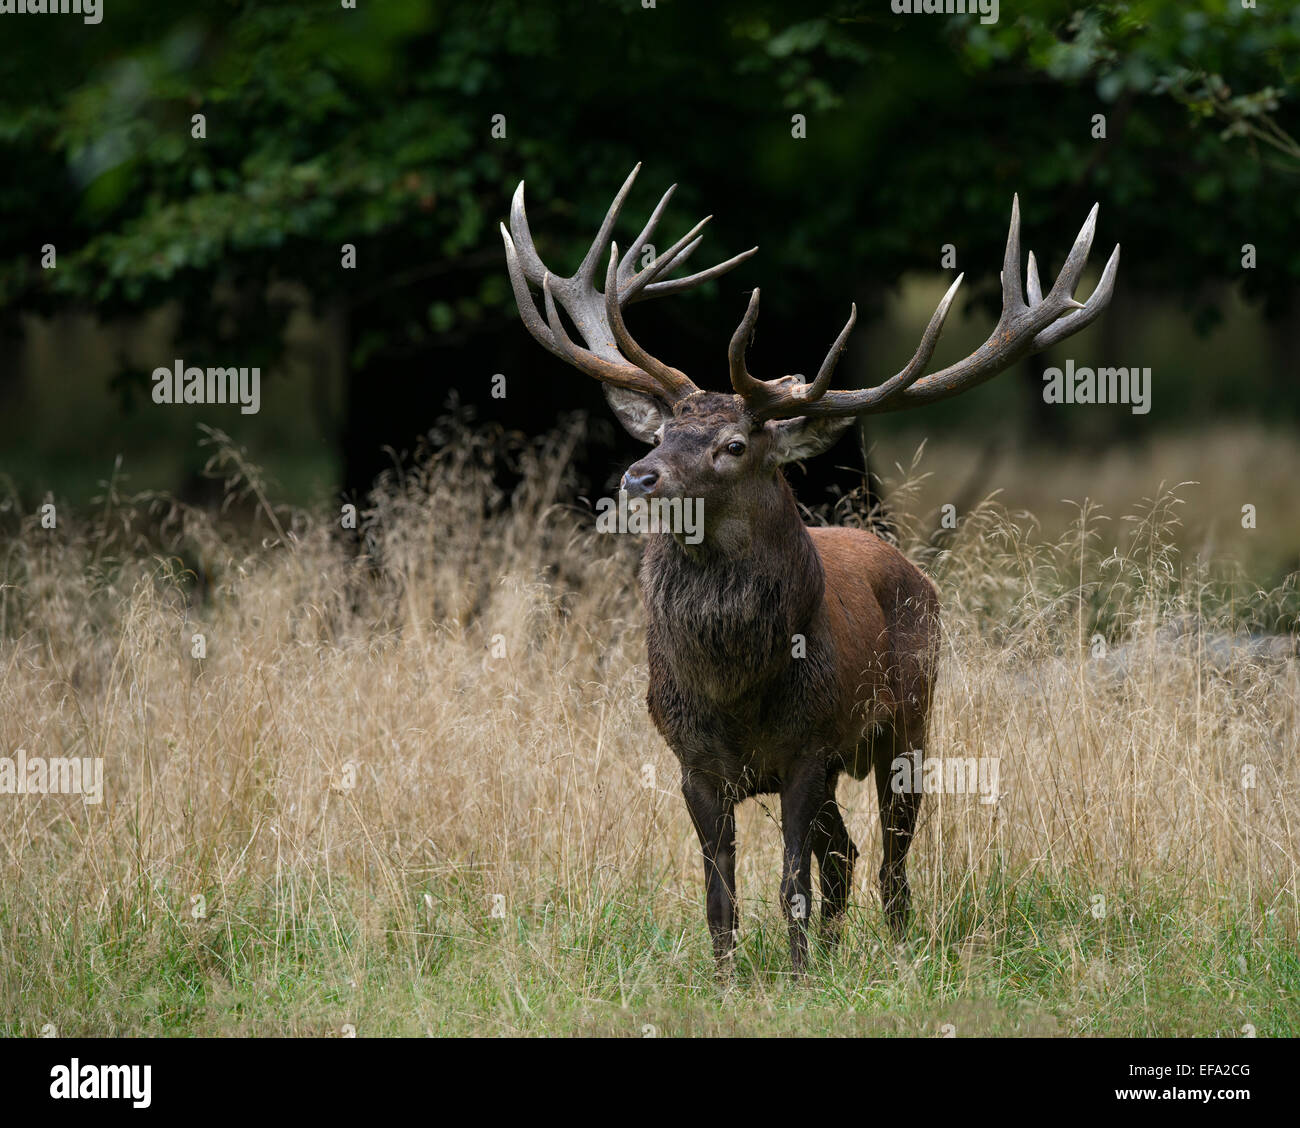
[741, 711]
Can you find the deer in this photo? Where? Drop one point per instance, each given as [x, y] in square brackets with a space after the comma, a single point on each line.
[780, 656]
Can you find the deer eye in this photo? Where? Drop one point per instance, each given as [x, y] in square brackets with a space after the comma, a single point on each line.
[735, 448]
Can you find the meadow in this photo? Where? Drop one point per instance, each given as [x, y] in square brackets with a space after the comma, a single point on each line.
[411, 786]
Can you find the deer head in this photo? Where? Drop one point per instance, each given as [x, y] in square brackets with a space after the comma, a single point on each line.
[727, 449]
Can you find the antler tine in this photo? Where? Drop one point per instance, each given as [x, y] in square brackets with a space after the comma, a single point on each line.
[1034, 286]
[741, 381]
[784, 399]
[676, 285]
[773, 399]
[1087, 313]
[637, 287]
[673, 256]
[598, 316]
[1012, 294]
[591, 260]
[903, 380]
[818, 387]
[1024, 327]
[1068, 279]
[677, 259]
[627, 266]
[533, 267]
[523, 299]
[676, 381]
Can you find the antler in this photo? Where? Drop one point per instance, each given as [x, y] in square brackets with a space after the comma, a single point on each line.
[610, 355]
[1025, 327]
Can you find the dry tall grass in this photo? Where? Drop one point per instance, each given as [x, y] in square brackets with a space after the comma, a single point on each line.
[417, 790]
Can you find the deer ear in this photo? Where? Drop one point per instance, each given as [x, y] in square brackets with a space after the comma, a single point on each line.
[640, 414]
[804, 437]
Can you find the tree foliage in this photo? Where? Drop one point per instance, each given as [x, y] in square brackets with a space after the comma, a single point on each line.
[372, 126]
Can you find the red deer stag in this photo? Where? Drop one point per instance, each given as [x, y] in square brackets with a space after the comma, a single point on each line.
[780, 655]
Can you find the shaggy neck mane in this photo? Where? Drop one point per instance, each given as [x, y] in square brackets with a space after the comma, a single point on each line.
[723, 613]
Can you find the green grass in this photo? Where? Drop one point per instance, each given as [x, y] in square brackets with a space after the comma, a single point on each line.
[1005, 958]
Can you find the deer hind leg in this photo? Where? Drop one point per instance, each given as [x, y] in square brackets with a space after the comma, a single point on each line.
[898, 811]
[836, 856]
[803, 798]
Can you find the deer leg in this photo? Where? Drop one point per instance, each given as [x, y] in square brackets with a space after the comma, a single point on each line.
[898, 811]
[836, 856]
[803, 794]
[714, 816]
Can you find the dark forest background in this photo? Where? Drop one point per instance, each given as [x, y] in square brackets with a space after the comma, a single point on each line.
[374, 126]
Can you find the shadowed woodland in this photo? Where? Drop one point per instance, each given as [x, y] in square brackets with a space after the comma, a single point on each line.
[869, 156]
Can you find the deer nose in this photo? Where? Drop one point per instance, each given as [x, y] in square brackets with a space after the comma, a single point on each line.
[639, 481]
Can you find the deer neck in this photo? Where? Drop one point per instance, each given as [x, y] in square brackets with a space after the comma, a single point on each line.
[723, 614]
